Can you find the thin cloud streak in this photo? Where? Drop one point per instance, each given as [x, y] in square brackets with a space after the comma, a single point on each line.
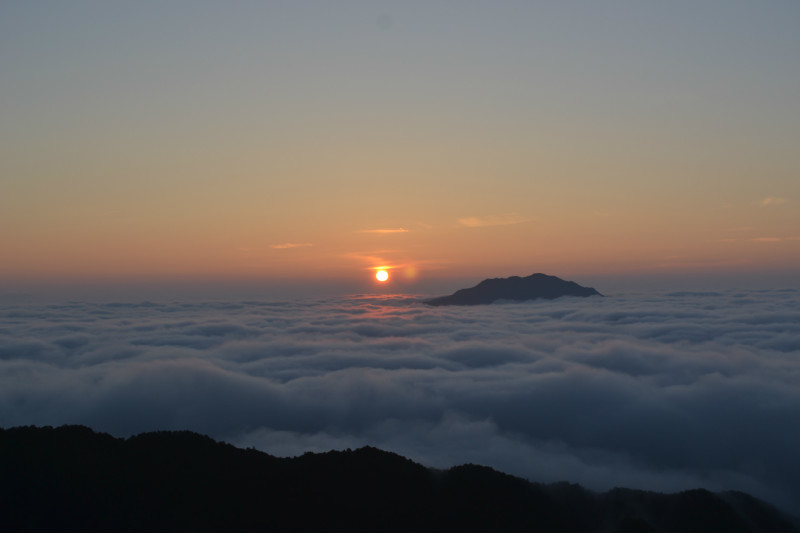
[385, 231]
[492, 220]
[289, 245]
[773, 200]
[775, 239]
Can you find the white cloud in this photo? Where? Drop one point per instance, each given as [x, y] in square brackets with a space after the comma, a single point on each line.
[492, 220]
[661, 391]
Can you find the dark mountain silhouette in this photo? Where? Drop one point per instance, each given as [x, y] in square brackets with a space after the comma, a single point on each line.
[73, 479]
[532, 287]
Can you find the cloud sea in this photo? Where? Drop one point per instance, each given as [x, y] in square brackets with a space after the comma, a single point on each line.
[662, 391]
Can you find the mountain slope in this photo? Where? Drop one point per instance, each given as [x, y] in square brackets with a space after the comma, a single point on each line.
[73, 479]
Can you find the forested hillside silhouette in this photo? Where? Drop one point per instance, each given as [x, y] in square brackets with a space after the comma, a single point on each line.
[74, 479]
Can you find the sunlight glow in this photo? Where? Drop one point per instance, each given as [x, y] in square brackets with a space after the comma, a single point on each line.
[381, 275]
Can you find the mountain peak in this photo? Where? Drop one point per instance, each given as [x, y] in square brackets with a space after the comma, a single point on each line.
[515, 288]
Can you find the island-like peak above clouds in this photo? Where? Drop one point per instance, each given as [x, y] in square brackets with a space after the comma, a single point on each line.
[516, 288]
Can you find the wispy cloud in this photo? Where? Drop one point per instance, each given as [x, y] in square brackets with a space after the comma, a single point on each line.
[384, 231]
[773, 200]
[760, 239]
[492, 220]
[775, 239]
[287, 245]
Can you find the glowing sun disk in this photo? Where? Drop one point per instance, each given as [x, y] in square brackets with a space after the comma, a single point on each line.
[381, 275]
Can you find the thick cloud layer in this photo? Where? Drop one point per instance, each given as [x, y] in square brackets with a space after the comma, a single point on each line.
[659, 391]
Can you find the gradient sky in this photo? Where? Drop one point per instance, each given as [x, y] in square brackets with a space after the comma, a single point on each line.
[299, 141]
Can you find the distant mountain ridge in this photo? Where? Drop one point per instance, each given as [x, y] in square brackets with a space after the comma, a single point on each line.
[532, 287]
[73, 479]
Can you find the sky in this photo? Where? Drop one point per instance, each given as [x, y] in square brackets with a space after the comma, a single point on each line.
[306, 143]
[658, 390]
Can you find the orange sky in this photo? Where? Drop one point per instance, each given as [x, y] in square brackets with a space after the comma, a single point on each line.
[301, 142]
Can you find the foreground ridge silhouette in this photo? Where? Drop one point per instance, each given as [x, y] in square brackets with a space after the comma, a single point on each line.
[533, 287]
[74, 479]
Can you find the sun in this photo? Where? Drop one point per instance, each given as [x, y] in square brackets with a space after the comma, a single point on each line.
[381, 275]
